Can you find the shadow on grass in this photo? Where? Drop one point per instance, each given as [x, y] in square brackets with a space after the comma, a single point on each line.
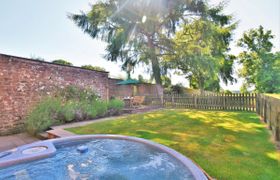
[228, 145]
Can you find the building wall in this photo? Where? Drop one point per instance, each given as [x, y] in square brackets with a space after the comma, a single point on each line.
[24, 81]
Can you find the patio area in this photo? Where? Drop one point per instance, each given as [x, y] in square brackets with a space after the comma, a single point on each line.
[13, 141]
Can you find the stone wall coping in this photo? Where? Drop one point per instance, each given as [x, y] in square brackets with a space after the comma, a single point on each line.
[46, 62]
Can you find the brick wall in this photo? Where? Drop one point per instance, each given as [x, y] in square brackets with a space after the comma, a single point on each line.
[119, 90]
[23, 81]
[149, 89]
[127, 90]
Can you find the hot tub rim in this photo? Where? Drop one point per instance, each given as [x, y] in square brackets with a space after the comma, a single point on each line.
[195, 170]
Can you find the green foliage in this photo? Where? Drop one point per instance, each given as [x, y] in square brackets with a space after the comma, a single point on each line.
[69, 104]
[142, 80]
[62, 62]
[201, 48]
[244, 88]
[95, 68]
[140, 32]
[260, 67]
[166, 81]
[67, 112]
[227, 92]
[38, 58]
[210, 83]
[257, 40]
[116, 104]
[100, 107]
[43, 115]
[175, 89]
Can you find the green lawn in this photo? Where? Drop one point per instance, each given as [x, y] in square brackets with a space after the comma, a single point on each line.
[227, 145]
[274, 95]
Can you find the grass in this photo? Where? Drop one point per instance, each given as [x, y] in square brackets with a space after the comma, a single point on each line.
[227, 145]
[274, 95]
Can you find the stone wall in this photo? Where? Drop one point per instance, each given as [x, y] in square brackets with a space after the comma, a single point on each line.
[23, 81]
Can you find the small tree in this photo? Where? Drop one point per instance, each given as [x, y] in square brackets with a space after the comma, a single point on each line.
[90, 67]
[34, 57]
[62, 62]
[260, 67]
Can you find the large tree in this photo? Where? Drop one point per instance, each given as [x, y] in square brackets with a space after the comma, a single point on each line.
[201, 53]
[140, 30]
[260, 66]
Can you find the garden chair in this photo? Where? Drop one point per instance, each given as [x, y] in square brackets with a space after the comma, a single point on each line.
[138, 101]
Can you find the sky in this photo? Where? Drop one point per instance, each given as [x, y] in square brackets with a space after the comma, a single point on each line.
[33, 28]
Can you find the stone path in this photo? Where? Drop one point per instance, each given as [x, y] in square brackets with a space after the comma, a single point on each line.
[13, 141]
[59, 131]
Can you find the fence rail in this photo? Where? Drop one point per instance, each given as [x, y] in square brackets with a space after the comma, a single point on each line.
[240, 102]
[269, 109]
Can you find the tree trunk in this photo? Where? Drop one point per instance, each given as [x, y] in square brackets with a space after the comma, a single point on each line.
[155, 62]
[201, 85]
[156, 69]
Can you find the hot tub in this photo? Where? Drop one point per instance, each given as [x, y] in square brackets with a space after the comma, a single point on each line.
[97, 157]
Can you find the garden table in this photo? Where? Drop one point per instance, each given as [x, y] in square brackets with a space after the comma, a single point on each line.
[128, 101]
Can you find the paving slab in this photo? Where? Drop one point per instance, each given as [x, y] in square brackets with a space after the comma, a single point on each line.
[15, 140]
[59, 133]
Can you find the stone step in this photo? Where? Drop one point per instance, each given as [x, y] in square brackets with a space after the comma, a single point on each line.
[42, 136]
[58, 133]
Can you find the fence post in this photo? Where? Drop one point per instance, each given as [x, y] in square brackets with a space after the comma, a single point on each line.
[195, 101]
[264, 111]
[162, 101]
[269, 117]
[257, 103]
[277, 127]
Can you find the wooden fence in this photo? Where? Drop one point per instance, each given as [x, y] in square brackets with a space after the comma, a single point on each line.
[269, 109]
[238, 102]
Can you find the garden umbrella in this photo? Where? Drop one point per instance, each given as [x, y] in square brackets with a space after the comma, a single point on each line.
[128, 82]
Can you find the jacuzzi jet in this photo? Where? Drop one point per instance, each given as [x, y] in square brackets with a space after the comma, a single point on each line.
[82, 149]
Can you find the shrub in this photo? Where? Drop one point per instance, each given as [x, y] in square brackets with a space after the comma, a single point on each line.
[95, 68]
[69, 104]
[115, 106]
[100, 107]
[62, 62]
[88, 110]
[174, 89]
[227, 92]
[67, 112]
[43, 115]
[177, 89]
